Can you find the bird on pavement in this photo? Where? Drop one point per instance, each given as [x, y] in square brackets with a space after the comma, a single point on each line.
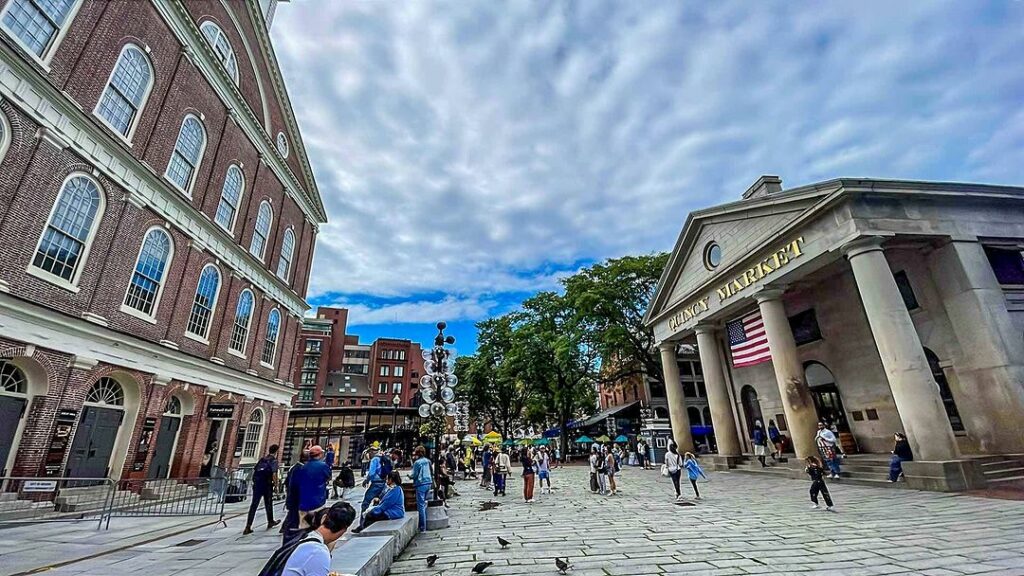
[430, 560]
[562, 566]
[480, 567]
[504, 543]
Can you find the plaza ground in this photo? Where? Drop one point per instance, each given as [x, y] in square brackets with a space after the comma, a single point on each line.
[745, 524]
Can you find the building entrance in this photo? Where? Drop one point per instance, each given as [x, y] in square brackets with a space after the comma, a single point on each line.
[11, 411]
[751, 407]
[166, 438]
[94, 442]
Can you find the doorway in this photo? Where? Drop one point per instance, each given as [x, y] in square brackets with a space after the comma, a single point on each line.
[948, 402]
[825, 394]
[751, 407]
[166, 440]
[94, 442]
[212, 450]
[13, 401]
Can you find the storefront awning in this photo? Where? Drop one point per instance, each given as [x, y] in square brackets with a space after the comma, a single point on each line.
[602, 415]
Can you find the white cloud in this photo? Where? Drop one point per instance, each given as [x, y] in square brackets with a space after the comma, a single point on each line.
[414, 312]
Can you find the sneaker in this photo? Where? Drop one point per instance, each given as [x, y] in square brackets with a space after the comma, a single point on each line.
[696, 497]
[247, 531]
[815, 506]
[272, 524]
[830, 509]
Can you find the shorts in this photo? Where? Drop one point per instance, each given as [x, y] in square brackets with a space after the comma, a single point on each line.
[759, 450]
[543, 475]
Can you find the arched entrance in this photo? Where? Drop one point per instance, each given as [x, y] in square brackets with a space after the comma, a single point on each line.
[751, 407]
[167, 437]
[955, 422]
[827, 401]
[21, 379]
[104, 430]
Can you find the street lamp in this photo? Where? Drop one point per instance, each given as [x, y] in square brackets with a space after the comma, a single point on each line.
[437, 386]
[395, 401]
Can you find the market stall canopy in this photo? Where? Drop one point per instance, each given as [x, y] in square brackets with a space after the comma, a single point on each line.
[604, 439]
[604, 414]
[584, 440]
[473, 440]
[509, 442]
[525, 442]
[621, 439]
[541, 442]
[492, 436]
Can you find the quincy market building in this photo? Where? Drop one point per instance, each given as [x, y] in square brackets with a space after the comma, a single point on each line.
[888, 306]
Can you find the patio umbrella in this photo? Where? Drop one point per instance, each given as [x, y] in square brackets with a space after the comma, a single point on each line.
[472, 440]
[604, 439]
[584, 440]
[525, 442]
[492, 436]
[621, 439]
[541, 442]
[509, 442]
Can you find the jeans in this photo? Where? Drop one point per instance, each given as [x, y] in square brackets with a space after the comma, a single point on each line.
[499, 483]
[675, 481]
[602, 483]
[373, 491]
[819, 486]
[895, 468]
[264, 494]
[422, 494]
[833, 464]
[370, 519]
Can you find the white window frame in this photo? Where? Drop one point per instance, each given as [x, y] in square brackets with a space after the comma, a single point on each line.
[248, 325]
[385, 370]
[255, 229]
[213, 46]
[277, 338]
[151, 317]
[187, 190]
[54, 279]
[204, 338]
[145, 96]
[241, 194]
[281, 141]
[47, 55]
[398, 372]
[286, 262]
[5, 138]
[253, 436]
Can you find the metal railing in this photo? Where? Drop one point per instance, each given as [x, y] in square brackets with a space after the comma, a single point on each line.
[26, 500]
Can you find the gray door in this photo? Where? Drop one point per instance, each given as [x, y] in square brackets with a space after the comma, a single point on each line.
[94, 443]
[161, 464]
[11, 411]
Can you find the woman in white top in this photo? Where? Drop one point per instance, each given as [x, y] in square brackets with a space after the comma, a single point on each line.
[674, 466]
[312, 557]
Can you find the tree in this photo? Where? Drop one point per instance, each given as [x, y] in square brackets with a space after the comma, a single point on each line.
[488, 382]
[610, 300]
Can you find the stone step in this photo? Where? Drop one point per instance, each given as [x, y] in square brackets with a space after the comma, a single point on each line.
[15, 505]
[1017, 472]
[1007, 464]
[999, 482]
[8, 496]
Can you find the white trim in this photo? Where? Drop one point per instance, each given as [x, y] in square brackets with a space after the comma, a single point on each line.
[265, 365]
[151, 317]
[291, 255]
[47, 55]
[248, 324]
[187, 191]
[257, 453]
[5, 126]
[137, 313]
[196, 338]
[145, 96]
[238, 207]
[213, 44]
[234, 352]
[71, 285]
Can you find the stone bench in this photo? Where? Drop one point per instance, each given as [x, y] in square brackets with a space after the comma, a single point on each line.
[402, 531]
[364, 556]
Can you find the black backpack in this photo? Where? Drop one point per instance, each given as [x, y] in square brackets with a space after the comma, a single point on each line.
[385, 466]
[275, 566]
[263, 471]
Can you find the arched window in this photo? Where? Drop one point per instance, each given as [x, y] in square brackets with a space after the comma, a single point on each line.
[284, 264]
[230, 196]
[5, 136]
[38, 24]
[12, 380]
[952, 412]
[65, 242]
[270, 340]
[204, 302]
[105, 391]
[148, 278]
[219, 41]
[694, 414]
[188, 153]
[264, 218]
[126, 91]
[173, 407]
[707, 416]
[243, 317]
[282, 144]
[253, 435]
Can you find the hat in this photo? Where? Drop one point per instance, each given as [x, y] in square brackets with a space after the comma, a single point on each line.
[316, 451]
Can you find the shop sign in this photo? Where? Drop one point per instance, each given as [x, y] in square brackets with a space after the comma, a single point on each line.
[59, 442]
[145, 441]
[220, 411]
[39, 486]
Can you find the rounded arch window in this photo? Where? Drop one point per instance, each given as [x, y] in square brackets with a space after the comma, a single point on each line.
[12, 379]
[173, 407]
[106, 391]
[282, 144]
[253, 435]
[712, 255]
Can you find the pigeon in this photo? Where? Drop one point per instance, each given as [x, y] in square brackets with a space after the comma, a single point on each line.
[504, 543]
[489, 505]
[430, 560]
[562, 566]
[480, 567]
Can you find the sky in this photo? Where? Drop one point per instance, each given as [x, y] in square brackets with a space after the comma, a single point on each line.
[470, 153]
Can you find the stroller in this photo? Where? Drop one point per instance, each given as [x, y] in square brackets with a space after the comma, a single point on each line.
[346, 479]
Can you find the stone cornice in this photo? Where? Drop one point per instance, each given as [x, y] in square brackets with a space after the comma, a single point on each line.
[63, 119]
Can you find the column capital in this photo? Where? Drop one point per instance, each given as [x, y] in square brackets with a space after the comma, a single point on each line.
[667, 345]
[705, 328]
[769, 294]
[862, 245]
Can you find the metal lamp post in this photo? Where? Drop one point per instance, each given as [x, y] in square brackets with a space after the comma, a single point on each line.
[395, 401]
[437, 386]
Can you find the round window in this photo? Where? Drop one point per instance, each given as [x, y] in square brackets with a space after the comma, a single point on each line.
[282, 144]
[712, 255]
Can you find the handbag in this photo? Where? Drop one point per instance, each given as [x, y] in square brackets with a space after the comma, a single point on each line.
[664, 470]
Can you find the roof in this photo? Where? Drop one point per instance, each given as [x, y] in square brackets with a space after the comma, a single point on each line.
[349, 385]
[603, 414]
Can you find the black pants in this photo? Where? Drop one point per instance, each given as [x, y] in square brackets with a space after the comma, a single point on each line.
[695, 491]
[675, 480]
[819, 486]
[265, 494]
[371, 518]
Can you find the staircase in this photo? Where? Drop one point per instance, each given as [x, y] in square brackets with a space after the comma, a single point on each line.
[856, 469]
[1004, 471]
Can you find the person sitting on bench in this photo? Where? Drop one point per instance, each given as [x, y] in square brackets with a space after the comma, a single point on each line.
[391, 505]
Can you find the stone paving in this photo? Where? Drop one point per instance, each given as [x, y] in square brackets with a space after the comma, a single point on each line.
[745, 524]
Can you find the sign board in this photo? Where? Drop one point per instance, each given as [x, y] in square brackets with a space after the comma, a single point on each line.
[59, 442]
[39, 486]
[220, 411]
[145, 441]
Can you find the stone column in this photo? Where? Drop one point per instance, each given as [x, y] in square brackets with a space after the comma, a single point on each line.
[910, 378]
[990, 367]
[801, 416]
[676, 400]
[718, 394]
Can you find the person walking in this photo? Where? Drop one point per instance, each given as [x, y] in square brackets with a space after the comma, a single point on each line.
[312, 481]
[611, 464]
[311, 555]
[775, 437]
[390, 505]
[290, 528]
[422, 481]
[502, 466]
[826, 441]
[900, 453]
[264, 479]
[329, 456]
[485, 462]
[693, 471]
[544, 470]
[673, 467]
[529, 474]
[760, 441]
[815, 470]
[601, 467]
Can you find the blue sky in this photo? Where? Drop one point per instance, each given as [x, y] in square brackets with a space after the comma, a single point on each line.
[470, 153]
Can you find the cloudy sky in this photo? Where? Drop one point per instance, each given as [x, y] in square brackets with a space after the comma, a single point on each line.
[470, 152]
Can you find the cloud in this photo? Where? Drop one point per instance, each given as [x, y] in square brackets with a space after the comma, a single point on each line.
[417, 311]
[482, 148]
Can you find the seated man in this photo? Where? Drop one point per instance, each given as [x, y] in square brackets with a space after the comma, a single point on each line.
[390, 506]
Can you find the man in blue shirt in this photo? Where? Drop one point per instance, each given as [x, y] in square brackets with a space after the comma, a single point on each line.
[391, 505]
[374, 480]
[311, 481]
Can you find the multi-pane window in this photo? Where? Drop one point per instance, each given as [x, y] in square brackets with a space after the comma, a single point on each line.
[308, 378]
[284, 263]
[253, 435]
[62, 248]
[126, 91]
[282, 144]
[148, 277]
[219, 40]
[270, 340]
[385, 370]
[399, 371]
[310, 362]
[37, 22]
[105, 391]
[188, 151]
[204, 302]
[243, 317]
[382, 387]
[230, 196]
[264, 218]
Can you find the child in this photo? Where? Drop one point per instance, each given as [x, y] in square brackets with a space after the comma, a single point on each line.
[817, 474]
[693, 471]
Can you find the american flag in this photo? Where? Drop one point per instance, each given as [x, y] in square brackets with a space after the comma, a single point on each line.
[747, 340]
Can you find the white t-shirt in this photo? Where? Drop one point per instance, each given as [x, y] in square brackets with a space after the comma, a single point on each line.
[825, 435]
[674, 462]
[309, 559]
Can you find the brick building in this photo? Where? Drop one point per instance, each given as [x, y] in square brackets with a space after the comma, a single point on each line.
[158, 215]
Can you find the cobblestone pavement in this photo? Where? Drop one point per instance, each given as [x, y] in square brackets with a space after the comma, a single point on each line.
[745, 524]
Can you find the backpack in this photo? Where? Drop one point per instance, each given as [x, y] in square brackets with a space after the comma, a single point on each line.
[263, 471]
[275, 566]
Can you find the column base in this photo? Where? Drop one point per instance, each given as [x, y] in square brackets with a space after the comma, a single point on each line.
[720, 463]
[944, 475]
